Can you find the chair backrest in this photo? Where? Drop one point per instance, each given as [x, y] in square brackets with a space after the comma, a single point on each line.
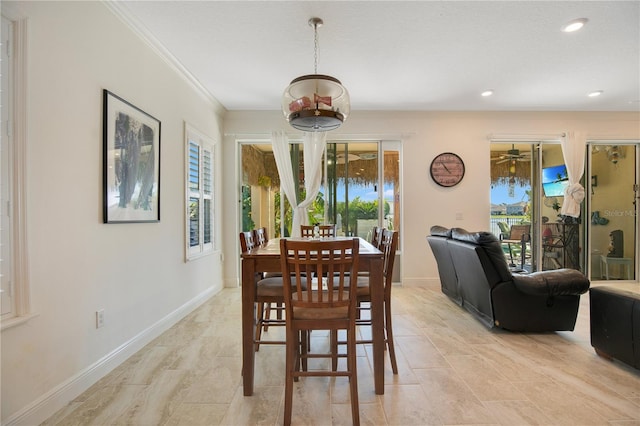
[261, 236]
[325, 230]
[247, 241]
[329, 263]
[520, 232]
[504, 230]
[388, 246]
[376, 236]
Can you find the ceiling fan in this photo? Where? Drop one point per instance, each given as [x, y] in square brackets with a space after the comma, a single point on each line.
[342, 158]
[512, 155]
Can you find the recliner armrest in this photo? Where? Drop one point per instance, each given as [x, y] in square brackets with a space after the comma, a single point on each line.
[560, 282]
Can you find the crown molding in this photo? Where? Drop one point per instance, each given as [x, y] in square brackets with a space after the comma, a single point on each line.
[122, 13]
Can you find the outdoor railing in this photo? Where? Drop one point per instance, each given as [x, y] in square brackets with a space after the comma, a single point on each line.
[509, 220]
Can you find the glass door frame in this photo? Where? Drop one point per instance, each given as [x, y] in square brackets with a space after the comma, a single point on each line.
[591, 186]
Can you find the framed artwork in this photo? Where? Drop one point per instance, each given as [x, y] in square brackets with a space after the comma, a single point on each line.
[131, 171]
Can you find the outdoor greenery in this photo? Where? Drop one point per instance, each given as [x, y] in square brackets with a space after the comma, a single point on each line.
[247, 222]
[358, 209]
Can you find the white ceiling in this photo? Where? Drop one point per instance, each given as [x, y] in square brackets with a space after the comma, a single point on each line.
[407, 55]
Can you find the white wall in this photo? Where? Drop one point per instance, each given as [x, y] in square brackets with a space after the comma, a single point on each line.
[77, 264]
[424, 135]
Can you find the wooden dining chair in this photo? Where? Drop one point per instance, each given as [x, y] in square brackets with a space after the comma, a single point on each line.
[325, 231]
[388, 245]
[318, 297]
[247, 241]
[376, 236]
[268, 292]
[261, 236]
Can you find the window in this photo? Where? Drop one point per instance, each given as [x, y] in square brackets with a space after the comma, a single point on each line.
[6, 272]
[200, 185]
[16, 306]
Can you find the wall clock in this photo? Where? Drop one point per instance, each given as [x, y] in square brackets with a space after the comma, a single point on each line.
[447, 169]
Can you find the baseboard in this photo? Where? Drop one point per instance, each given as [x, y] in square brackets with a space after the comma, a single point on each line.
[57, 398]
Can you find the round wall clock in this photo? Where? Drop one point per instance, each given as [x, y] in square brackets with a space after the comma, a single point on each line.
[447, 169]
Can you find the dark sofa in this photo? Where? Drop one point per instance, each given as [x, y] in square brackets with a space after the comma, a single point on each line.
[615, 324]
[474, 274]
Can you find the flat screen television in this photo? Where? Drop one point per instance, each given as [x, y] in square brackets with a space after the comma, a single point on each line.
[555, 180]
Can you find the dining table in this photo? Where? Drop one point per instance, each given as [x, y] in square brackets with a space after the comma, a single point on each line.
[266, 258]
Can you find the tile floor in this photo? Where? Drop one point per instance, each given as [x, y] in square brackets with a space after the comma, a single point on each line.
[453, 371]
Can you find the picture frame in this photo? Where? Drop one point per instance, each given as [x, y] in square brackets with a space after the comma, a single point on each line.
[131, 156]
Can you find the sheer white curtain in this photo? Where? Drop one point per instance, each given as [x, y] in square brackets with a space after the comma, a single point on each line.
[280, 145]
[314, 144]
[313, 148]
[573, 150]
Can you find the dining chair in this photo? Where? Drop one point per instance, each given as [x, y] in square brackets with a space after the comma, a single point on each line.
[247, 241]
[376, 236]
[325, 230]
[268, 292]
[262, 238]
[318, 297]
[388, 246]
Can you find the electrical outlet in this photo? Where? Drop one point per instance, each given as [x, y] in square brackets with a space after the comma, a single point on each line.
[100, 318]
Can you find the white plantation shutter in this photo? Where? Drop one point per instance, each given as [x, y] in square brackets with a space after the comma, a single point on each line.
[200, 193]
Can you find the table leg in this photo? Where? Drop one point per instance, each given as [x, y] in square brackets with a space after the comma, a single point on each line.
[376, 285]
[248, 320]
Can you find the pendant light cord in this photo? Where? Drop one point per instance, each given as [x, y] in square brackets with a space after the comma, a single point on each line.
[315, 48]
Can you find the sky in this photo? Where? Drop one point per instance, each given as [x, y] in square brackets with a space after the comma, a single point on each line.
[500, 194]
[366, 193]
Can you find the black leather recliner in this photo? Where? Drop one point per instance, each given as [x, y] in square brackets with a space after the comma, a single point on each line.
[474, 273]
[615, 324]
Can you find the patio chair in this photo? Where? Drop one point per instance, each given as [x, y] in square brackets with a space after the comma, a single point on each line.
[519, 235]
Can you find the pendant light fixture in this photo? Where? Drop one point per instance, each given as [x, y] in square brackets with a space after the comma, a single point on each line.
[315, 102]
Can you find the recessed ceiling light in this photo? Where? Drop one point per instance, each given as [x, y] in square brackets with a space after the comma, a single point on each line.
[574, 25]
[487, 93]
[596, 93]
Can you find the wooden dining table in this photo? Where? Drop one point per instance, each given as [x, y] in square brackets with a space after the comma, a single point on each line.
[266, 258]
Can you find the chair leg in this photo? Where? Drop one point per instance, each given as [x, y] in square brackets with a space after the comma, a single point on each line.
[267, 315]
[259, 320]
[511, 255]
[303, 344]
[334, 349]
[291, 360]
[353, 377]
[389, 336]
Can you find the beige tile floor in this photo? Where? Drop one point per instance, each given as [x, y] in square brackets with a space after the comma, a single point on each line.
[453, 371]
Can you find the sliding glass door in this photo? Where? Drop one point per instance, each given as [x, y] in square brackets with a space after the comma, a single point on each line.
[360, 189]
[613, 211]
[513, 206]
[527, 192]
